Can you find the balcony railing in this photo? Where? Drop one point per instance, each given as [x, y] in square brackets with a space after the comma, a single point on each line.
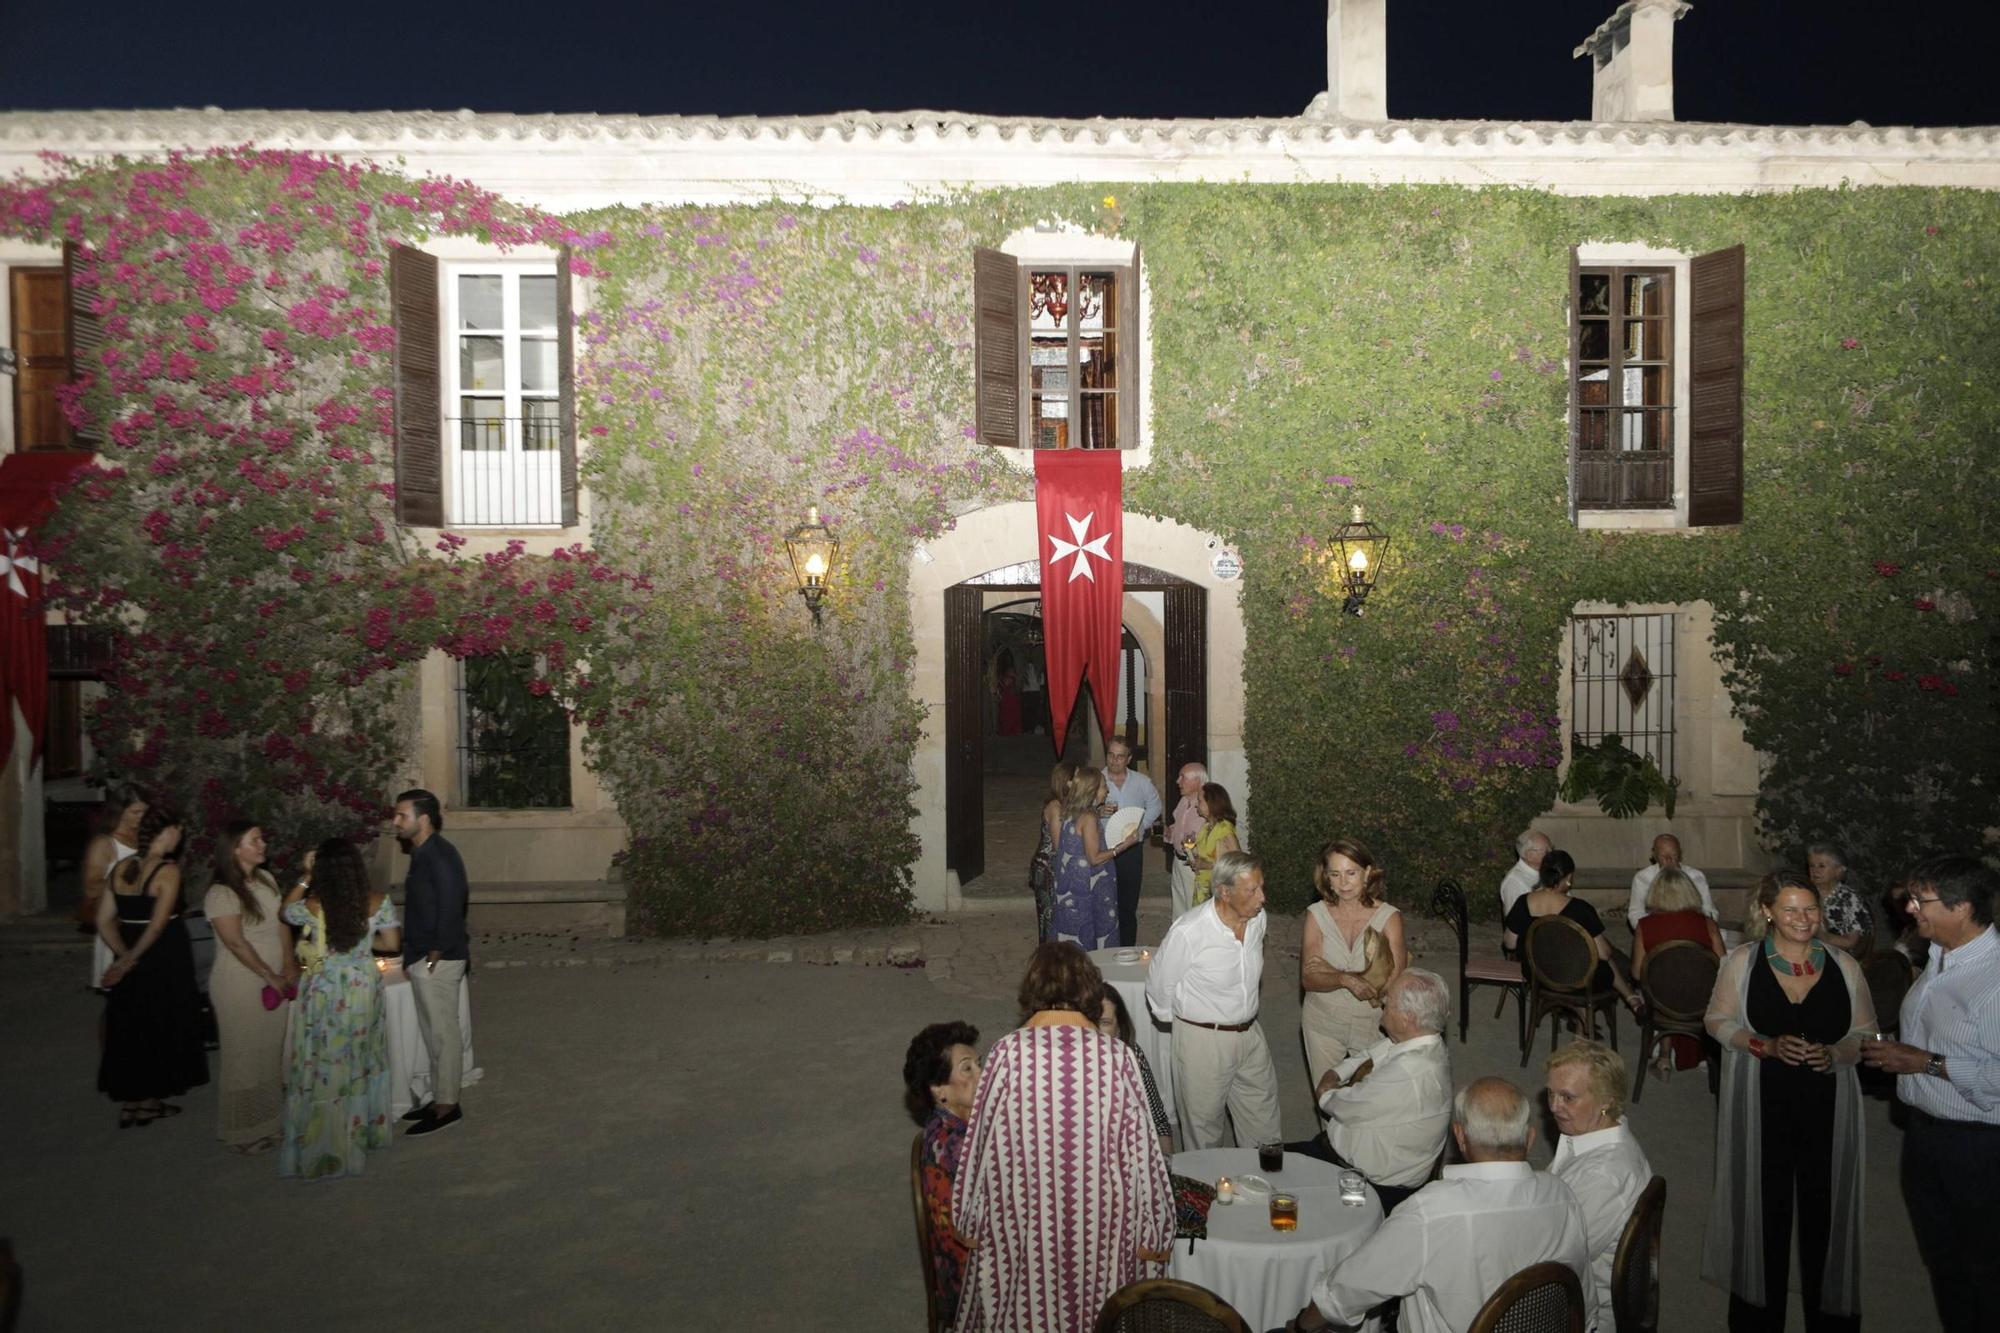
[506, 472]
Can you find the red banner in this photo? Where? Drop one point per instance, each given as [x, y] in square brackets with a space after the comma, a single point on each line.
[28, 486]
[1080, 515]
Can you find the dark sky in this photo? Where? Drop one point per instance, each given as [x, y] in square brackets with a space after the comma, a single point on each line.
[1756, 61]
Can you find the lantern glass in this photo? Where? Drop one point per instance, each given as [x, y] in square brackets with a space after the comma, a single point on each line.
[813, 548]
[1357, 547]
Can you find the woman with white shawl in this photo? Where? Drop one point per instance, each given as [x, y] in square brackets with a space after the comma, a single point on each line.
[1791, 1014]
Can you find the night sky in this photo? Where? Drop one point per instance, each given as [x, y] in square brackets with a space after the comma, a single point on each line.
[1756, 61]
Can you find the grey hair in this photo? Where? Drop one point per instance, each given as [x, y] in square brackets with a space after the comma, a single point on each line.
[1526, 841]
[1828, 849]
[1422, 997]
[1200, 772]
[1230, 867]
[1506, 1131]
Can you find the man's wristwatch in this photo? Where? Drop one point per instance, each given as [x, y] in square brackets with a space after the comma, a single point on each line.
[1935, 1068]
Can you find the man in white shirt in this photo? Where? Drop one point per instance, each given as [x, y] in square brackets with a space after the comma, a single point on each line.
[1529, 849]
[1949, 1067]
[1455, 1241]
[1207, 978]
[1390, 1105]
[1127, 787]
[1597, 1157]
[1666, 856]
[1186, 824]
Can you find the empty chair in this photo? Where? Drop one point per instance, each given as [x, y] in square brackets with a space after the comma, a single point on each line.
[1546, 1298]
[1679, 978]
[1561, 959]
[1635, 1269]
[1168, 1305]
[1478, 967]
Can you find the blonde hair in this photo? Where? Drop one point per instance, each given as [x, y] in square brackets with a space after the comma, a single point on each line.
[1673, 891]
[1756, 922]
[1604, 1069]
[1373, 880]
[1082, 793]
[1059, 777]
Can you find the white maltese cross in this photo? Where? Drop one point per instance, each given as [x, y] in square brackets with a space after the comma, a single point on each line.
[1080, 550]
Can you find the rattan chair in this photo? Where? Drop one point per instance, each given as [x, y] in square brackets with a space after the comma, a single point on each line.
[1561, 959]
[1482, 967]
[1544, 1298]
[933, 1306]
[1680, 976]
[1168, 1305]
[1635, 1266]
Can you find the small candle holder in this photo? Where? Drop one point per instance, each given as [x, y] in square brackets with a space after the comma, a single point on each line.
[1225, 1191]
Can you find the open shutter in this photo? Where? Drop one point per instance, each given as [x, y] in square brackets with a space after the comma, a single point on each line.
[1575, 390]
[1186, 678]
[85, 332]
[1128, 356]
[964, 732]
[413, 303]
[996, 341]
[566, 385]
[1715, 382]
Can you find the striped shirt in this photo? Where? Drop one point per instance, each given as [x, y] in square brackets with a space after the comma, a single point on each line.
[1954, 1011]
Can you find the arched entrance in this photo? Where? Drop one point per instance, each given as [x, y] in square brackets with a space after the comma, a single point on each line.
[989, 559]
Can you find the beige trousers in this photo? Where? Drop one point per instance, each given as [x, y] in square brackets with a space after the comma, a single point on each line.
[436, 994]
[1217, 1072]
[1180, 887]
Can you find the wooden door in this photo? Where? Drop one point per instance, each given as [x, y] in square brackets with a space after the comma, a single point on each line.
[1187, 678]
[39, 335]
[964, 733]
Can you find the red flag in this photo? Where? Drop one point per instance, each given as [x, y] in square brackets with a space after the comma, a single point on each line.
[1080, 515]
[28, 485]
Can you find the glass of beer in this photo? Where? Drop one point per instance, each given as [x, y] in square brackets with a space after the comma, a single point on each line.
[1271, 1156]
[1284, 1212]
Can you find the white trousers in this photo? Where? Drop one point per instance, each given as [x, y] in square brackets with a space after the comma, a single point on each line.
[436, 994]
[1217, 1072]
[1180, 887]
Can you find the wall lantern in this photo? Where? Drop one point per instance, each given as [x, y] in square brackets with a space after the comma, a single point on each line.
[1357, 548]
[812, 547]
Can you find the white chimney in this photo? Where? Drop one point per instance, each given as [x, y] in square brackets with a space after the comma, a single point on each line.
[1357, 59]
[1632, 61]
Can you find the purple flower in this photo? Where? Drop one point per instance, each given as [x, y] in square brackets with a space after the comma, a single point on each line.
[1445, 720]
[1494, 376]
[1340, 481]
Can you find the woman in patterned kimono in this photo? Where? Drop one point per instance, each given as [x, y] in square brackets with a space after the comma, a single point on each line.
[1062, 1192]
[940, 1073]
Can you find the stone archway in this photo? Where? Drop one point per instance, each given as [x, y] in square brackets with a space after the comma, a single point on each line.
[1003, 535]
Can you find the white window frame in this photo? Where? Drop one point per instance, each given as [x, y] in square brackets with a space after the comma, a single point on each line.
[1612, 254]
[533, 476]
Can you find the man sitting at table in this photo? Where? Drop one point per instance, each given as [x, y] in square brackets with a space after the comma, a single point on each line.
[1206, 979]
[1455, 1241]
[1391, 1103]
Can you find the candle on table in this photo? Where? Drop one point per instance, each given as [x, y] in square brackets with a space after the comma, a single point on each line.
[1225, 1191]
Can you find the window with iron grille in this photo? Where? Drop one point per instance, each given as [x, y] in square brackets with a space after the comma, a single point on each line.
[1622, 683]
[505, 391]
[513, 745]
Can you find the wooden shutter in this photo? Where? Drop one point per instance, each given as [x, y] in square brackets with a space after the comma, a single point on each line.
[85, 334]
[1128, 356]
[413, 303]
[996, 342]
[1715, 382]
[1575, 383]
[1187, 677]
[566, 385]
[964, 733]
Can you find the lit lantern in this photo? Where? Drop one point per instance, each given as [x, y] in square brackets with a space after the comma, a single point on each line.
[812, 547]
[1357, 548]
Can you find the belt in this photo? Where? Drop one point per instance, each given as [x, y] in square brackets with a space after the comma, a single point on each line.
[1945, 1122]
[1217, 1027]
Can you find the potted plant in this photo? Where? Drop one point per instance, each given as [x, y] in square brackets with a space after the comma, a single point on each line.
[1621, 780]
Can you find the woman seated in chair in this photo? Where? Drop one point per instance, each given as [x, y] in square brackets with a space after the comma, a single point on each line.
[1552, 898]
[940, 1073]
[1673, 913]
[1597, 1157]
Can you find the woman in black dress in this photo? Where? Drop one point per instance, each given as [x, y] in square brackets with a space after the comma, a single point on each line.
[1552, 899]
[152, 1014]
[1790, 1013]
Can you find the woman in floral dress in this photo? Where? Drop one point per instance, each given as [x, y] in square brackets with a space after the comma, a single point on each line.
[337, 1070]
[1086, 891]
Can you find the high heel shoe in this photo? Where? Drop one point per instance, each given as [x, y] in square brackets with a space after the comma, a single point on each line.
[133, 1120]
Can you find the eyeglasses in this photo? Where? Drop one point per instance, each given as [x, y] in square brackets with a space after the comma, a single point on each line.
[1921, 903]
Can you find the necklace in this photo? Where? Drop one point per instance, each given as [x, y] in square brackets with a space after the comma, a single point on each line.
[1814, 964]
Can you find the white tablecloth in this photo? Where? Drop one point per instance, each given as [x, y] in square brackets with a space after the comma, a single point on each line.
[1267, 1275]
[409, 1060]
[1129, 980]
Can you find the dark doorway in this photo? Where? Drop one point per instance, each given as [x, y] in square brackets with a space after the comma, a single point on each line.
[994, 765]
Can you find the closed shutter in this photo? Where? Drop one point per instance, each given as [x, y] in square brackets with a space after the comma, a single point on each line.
[996, 341]
[566, 385]
[85, 330]
[964, 732]
[1715, 382]
[1576, 480]
[1187, 677]
[1128, 355]
[413, 303]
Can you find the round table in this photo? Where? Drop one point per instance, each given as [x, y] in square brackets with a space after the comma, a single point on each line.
[1156, 1040]
[1268, 1276]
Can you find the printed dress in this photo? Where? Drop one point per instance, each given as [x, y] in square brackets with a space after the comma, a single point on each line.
[1062, 1183]
[1086, 896]
[337, 1066]
[944, 1144]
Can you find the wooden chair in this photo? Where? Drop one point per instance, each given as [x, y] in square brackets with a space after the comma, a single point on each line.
[1680, 976]
[1635, 1266]
[10, 1287]
[1168, 1305]
[1561, 959]
[933, 1305]
[1482, 967]
[1543, 1298]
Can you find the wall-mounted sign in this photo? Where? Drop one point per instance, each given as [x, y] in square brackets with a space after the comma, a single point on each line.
[1226, 565]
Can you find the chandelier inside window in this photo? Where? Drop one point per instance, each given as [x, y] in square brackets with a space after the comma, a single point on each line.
[1050, 293]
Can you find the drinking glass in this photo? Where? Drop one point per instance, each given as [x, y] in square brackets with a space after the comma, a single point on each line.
[1271, 1156]
[1284, 1212]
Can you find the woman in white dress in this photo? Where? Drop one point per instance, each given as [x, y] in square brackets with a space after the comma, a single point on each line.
[1342, 1009]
